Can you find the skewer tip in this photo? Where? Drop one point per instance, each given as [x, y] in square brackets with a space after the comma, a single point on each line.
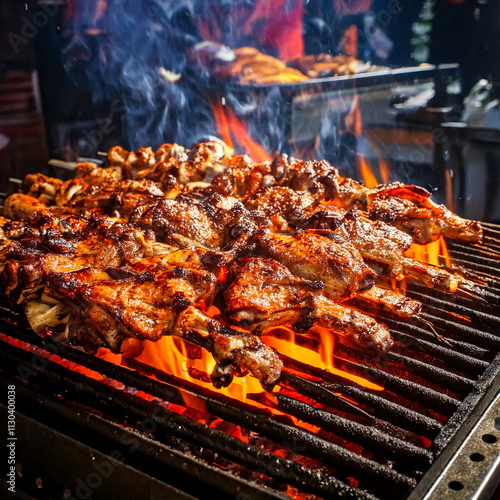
[434, 331]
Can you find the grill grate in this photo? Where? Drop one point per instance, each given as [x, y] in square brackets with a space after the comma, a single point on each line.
[369, 441]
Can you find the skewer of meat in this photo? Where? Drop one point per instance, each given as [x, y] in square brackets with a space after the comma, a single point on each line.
[227, 225]
[202, 160]
[408, 208]
[147, 306]
[376, 241]
[102, 285]
[264, 293]
[340, 284]
[313, 256]
[56, 245]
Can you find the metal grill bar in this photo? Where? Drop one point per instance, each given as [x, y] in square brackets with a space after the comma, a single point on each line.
[457, 359]
[120, 404]
[441, 378]
[455, 298]
[467, 256]
[417, 334]
[382, 408]
[444, 307]
[433, 373]
[487, 269]
[367, 436]
[413, 391]
[482, 250]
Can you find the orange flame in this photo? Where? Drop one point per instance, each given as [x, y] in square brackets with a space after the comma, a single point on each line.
[366, 173]
[184, 360]
[232, 130]
[321, 358]
[385, 170]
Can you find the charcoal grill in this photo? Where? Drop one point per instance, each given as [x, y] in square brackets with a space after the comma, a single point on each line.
[439, 408]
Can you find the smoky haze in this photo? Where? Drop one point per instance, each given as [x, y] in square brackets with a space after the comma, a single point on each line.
[130, 57]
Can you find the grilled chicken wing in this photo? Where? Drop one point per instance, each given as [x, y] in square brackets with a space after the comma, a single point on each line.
[315, 257]
[265, 293]
[376, 241]
[151, 304]
[410, 209]
[406, 207]
[69, 244]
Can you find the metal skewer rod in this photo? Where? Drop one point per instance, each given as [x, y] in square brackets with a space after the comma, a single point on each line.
[89, 160]
[68, 165]
[15, 181]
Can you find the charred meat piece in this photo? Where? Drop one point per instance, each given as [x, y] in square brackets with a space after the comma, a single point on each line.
[183, 222]
[19, 207]
[406, 207]
[69, 244]
[265, 293]
[376, 241]
[119, 198]
[410, 209]
[214, 221]
[313, 256]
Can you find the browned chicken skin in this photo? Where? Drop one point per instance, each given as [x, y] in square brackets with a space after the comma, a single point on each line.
[406, 207]
[158, 299]
[265, 293]
[313, 256]
[376, 241]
